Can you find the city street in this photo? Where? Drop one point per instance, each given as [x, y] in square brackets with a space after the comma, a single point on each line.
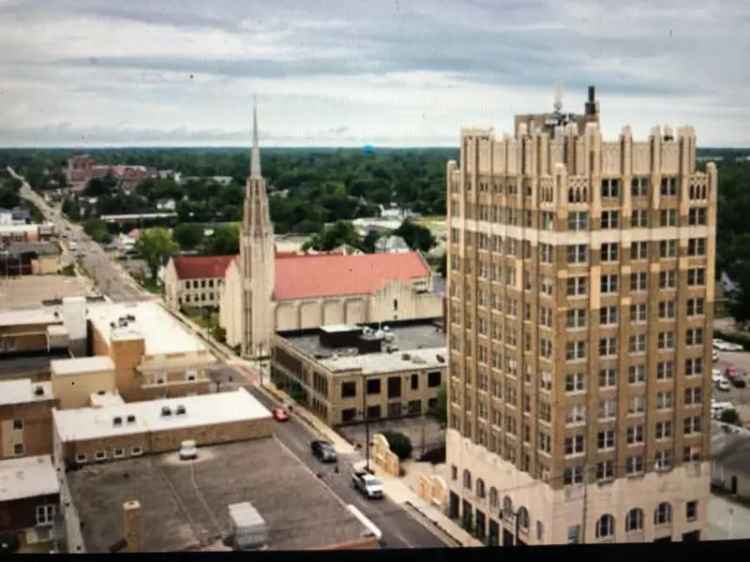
[740, 397]
[111, 280]
[400, 530]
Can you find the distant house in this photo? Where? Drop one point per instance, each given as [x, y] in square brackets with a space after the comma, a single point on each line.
[166, 205]
[30, 258]
[195, 281]
[222, 180]
[6, 217]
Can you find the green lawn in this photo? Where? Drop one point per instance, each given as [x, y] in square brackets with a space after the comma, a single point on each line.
[152, 286]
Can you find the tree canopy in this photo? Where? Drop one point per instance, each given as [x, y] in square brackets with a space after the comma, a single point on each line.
[188, 235]
[155, 245]
[418, 237]
[224, 241]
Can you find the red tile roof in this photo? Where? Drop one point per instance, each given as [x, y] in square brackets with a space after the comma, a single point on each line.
[308, 276]
[198, 267]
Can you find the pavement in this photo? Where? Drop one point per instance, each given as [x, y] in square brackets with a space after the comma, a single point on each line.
[727, 519]
[740, 397]
[109, 276]
[400, 527]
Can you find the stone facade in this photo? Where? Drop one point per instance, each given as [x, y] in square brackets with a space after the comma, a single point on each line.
[581, 290]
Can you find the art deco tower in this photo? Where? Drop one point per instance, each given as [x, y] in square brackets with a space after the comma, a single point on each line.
[257, 256]
[580, 308]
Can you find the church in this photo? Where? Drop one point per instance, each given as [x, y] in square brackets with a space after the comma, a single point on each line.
[266, 291]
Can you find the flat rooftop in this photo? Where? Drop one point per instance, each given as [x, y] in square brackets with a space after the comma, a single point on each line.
[81, 424]
[163, 334]
[27, 316]
[27, 477]
[81, 365]
[20, 366]
[185, 508]
[375, 363]
[33, 290]
[423, 340]
[23, 391]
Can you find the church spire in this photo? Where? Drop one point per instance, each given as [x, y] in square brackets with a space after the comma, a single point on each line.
[255, 152]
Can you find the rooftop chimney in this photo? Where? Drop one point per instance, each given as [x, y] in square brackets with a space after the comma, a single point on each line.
[131, 524]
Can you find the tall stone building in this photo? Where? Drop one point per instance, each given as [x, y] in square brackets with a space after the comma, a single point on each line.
[581, 290]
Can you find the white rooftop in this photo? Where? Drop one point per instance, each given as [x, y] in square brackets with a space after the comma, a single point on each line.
[27, 477]
[38, 315]
[373, 363]
[162, 333]
[81, 365]
[22, 391]
[106, 399]
[206, 409]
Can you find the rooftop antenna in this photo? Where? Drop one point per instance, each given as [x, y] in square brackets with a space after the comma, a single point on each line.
[558, 98]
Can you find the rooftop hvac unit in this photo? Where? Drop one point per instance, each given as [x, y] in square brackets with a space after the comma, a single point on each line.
[181, 411]
[166, 411]
[249, 527]
[117, 421]
[38, 391]
[405, 356]
[131, 418]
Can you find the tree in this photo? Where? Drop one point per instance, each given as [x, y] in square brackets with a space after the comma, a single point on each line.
[739, 303]
[440, 411]
[342, 232]
[97, 229]
[368, 243]
[399, 443]
[100, 186]
[188, 235]
[730, 416]
[71, 209]
[9, 197]
[443, 267]
[418, 237]
[155, 245]
[225, 241]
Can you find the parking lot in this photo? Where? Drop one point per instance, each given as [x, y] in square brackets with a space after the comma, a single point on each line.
[740, 397]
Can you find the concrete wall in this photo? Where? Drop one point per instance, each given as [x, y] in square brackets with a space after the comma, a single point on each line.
[74, 391]
[169, 440]
[26, 337]
[230, 305]
[559, 509]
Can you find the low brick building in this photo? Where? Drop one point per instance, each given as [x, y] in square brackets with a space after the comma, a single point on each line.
[343, 373]
[87, 435]
[153, 353]
[29, 502]
[25, 418]
[195, 281]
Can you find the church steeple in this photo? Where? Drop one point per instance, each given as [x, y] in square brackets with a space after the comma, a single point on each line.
[255, 151]
[257, 259]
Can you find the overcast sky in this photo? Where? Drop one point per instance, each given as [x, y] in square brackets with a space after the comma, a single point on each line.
[398, 73]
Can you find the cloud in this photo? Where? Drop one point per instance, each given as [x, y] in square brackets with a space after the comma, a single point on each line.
[371, 68]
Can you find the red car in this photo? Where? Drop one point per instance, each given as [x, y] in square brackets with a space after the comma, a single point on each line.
[279, 414]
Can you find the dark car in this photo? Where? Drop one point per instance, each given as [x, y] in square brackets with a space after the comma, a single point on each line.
[323, 450]
[738, 381]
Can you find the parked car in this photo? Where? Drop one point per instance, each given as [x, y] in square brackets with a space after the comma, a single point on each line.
[715, 355]
[738, 381]
[188, 450]
[721, 383]
[323, 450]
[733, 346]
[367, 484]
[718, 407]
[279, 414]
[721, 345]
[731, 372]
